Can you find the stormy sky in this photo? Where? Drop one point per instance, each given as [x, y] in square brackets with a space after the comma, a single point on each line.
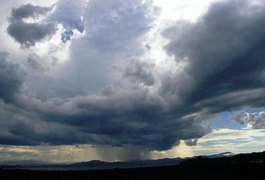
[130, 79]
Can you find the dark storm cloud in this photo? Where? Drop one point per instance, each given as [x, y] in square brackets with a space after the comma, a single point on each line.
[225, 53]
[28, 10]
[121, 117]
[223, 70]
[10, 79]
[28, 34]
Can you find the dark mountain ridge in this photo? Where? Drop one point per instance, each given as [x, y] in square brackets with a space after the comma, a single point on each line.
[242, 166]
[97, 164]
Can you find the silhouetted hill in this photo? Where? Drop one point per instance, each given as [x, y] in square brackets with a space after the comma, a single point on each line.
[240, 159]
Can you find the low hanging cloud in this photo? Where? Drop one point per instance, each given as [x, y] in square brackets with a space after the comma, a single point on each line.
[28, 34]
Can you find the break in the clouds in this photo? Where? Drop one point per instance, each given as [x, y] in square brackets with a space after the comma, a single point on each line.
[109, 89]
[70, 15]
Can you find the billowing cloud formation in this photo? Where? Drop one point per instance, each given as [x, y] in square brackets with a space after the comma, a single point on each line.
[107, 42]
[28, 34]
[251, 120]
[117, 25]
[219, 67]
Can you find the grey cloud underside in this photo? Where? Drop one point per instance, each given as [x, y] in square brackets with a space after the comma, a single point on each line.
[118, 117]
[28, 34]
[223, 53]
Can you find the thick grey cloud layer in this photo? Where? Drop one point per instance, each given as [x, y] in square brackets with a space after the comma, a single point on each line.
[28, 34]
[118, 117]
[223, 70]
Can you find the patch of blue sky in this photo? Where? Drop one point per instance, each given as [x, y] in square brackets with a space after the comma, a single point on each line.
[66, 35]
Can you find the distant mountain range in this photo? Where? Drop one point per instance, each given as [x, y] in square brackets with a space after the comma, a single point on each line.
[96, 164]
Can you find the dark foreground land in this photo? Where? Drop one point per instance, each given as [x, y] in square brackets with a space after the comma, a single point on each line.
[244, 166]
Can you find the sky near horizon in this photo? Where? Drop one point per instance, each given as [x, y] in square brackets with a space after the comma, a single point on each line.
[118, 80]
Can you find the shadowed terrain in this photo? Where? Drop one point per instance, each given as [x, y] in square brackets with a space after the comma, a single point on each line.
[243, 166]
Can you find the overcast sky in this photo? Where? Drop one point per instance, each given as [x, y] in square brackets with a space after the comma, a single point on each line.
[130, 79]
